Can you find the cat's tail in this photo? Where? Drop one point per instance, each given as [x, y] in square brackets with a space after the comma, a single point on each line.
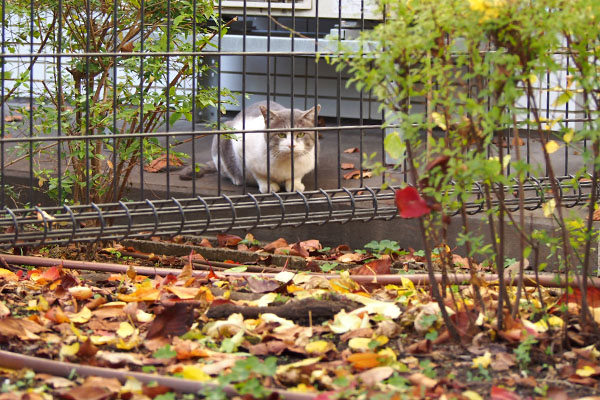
[186, 174]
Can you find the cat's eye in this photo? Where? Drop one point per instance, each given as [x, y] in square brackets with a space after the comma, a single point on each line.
[300, 134]
[282, 135]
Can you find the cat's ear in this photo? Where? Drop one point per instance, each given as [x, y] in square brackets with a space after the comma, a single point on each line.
[263, 110]
[310, 114]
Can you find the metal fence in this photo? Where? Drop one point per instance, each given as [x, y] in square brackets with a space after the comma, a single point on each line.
[101, 100]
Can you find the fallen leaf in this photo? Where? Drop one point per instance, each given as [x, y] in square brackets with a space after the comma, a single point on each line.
[160, 164]
[352, 150]
[503, 361]
[376, 267]
[279, 243]
[184, 293]
[418, 379]
[171, 321]
[375, 375]
[483, 361]
[319, 347]
[365, 360]
[498, 393]
[141, 294]
[125, 330]
[347, 166]
[226, 240]
[350, 257]
[355, 174]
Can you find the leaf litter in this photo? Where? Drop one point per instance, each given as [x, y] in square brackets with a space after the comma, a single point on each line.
[294, 331]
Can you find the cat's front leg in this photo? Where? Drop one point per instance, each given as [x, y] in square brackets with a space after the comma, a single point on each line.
[263, 185]
[298, 185]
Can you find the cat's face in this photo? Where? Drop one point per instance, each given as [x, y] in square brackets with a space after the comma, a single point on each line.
[302, 142]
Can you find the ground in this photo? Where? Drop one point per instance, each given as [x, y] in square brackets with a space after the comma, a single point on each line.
[211, 320]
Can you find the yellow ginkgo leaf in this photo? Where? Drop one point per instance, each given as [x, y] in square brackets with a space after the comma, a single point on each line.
[569, 136]
[548, 207]
[471, 395]
[195, 373]
[319, 347]
[143, 316]
[68, 350]
[125, 329]
[586, 371]
[552, 146]
[359, 343]
[482, 361]
[81, 317]
[439, 120]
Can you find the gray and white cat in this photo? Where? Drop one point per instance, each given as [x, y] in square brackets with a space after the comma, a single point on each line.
[279, 147]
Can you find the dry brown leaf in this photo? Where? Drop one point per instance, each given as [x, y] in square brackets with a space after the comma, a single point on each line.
[596, 216]
[355, 174]
[517, 141]
[279, 243]
[375, 375]
[352, 150]
[350, 257]
[160, 164]
[347, 166]
[418, 379]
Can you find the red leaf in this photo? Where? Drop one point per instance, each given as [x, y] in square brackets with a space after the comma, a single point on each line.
[51, 274]
[375, 267]
[593, 297]
[410, 204]
[499, 393]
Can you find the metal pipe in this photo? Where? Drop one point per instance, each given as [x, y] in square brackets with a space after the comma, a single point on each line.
[549, 280]
[65, 369]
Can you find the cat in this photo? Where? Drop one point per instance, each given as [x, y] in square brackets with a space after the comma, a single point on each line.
[279, 147]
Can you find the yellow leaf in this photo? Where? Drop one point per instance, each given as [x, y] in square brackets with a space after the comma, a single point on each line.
[439, 120]
[81, 317]
[319, 347]
[125, 329]
[133, 341]
[194, 373]
[184, 293]
[143, 316]
[343, 322]
[586, 371]
[532, 78]
[80, 336]
[142, 294]
[359, 343]
[100, 340]
[552, 146]
[569, 136]
[68, 350]
[8, 275]
[471, 395]
[482, 361]
[298, 364]
[387, 353]
[548, 207]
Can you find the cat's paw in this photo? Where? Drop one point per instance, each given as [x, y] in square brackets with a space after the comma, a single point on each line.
[264, 188]
[298, 185]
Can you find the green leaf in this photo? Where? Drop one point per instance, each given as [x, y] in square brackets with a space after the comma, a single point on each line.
[164, 352]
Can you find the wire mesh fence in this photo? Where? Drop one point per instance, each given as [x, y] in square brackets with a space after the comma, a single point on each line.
[104, 101]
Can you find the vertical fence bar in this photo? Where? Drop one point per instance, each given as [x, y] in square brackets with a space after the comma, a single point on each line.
[141, 122]
[269, 93]
[31, 61]
[88, 24]
[360, 101]
[219, 48]
[168, 99]
[245, 17]
[2, 107]
[115, 104]
[316, 85]
[58, 70]
[338, 104]
[194, 88]
[292, 73]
